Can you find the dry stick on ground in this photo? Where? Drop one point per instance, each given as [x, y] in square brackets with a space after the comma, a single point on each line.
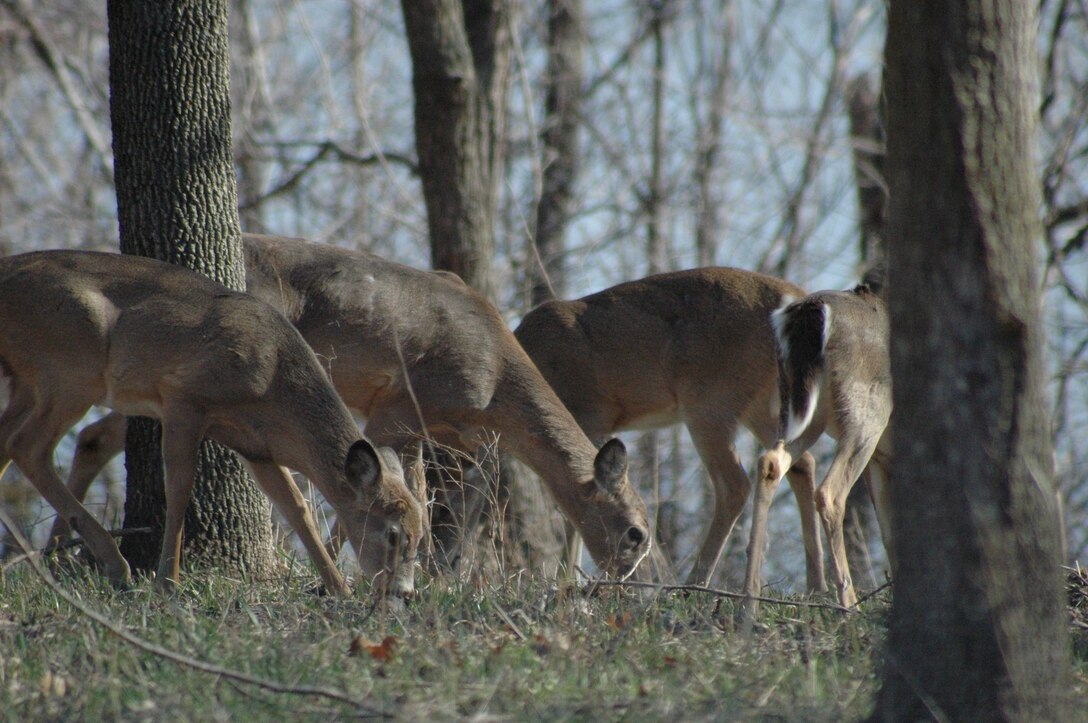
[722, 593]
[179, 658]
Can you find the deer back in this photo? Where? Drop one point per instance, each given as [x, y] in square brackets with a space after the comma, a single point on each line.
[633, 354]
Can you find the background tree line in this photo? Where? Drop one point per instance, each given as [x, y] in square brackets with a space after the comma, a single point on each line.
[609, 140]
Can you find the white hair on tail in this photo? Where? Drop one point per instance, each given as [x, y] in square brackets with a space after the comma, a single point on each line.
[798, 419]
[777, 320]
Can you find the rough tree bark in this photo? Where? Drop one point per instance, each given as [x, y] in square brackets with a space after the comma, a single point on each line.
[176, 200]
[977, 629]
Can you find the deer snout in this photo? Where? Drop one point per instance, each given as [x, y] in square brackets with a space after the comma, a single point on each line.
[400, 562]
[632, 549]
[633, 538]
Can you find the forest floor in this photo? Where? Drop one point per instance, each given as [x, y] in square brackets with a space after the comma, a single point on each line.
[515, 648]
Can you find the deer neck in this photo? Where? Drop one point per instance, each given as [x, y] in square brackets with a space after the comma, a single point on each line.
[537, 429]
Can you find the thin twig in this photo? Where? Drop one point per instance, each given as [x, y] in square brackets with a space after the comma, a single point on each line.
[873, 593]
[509, 622]
[176, 657]
[723, 593]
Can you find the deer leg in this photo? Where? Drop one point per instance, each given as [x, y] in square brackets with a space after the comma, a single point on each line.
[731, 487]
[280, 487]
[96, 445]
[802, 479]
[850, 460]
[12, 418]
[880, 493]
[31, 444]
[772, 466]
[180, 446]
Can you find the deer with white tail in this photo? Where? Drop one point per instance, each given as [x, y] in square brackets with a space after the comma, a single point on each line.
[691, 346]
[147, 338]
[835, 377]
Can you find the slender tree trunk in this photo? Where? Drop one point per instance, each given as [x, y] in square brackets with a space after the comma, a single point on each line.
[176, 200]
[460, 53]
[867, 143]
[562, 107]
[977, 627]
[460, 69]
[256, 118]
[657, 254]
[708, 226]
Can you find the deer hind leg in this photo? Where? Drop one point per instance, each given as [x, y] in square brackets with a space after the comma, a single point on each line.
[280, 487]
[731, 487]
[12, 418]
[850, 460]
[29, 435]
[97, 444]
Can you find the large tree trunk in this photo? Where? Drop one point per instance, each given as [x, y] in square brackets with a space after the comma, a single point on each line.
[176, 200]
[460, 68]
[977, 630]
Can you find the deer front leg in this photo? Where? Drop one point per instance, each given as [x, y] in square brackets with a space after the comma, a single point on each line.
[880, 493]
[280, 487]
[180, 445]
[772, 466]
[802, 478]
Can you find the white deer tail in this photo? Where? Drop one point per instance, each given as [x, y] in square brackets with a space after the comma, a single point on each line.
[801, 329]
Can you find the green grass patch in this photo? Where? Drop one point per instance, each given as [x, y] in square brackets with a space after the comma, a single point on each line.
[509, 649]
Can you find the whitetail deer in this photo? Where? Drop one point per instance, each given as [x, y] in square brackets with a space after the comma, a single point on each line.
[835, 377]
[419, 352]
[689, 346]
[147, 338]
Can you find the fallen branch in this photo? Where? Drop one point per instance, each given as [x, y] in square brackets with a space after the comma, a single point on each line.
[722, 593]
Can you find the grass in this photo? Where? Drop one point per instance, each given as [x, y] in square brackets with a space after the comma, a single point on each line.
[514, 648]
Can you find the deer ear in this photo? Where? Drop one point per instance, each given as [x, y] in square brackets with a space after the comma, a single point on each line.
[362, 465]
[610, 467]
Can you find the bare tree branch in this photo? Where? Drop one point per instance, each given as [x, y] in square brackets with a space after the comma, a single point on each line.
[53, 59]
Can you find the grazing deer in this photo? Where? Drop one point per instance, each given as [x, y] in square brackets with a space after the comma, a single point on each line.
[148, 338]
[414, 352]
[688, 346]
[835, 377]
